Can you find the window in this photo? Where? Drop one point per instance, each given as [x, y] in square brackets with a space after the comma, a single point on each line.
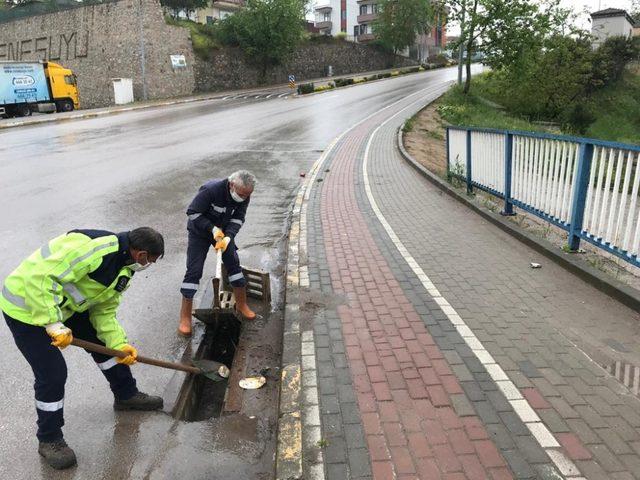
[344, 15]
[327, 17]
[363, 9]
[356, 30]
[209, 19]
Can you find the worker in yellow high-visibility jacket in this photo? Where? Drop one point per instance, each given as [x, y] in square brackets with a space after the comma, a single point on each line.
[72, 286]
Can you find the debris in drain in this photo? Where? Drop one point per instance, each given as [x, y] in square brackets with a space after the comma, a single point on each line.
[302, 174]
[319, 180]
[252, 383]
[535, 265]
[327, 170]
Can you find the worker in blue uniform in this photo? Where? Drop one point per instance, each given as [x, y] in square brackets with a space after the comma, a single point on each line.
[215, 217]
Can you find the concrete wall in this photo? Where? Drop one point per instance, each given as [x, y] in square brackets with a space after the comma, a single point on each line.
[100, 42]
[603, 28]
[227, 70]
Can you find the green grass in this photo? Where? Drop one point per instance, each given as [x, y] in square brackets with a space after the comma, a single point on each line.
[203, 37]
[473, 111]
[616, 108]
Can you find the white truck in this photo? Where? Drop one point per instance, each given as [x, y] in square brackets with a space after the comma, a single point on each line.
[36, 86]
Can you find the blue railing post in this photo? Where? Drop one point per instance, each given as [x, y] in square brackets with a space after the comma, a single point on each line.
[508, 163]
[448, 146]
[580, 191]
[469, 186]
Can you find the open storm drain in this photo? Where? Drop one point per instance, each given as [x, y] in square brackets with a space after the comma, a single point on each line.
[627, 374]
[201, 398]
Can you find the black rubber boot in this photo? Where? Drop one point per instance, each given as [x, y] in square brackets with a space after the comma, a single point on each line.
[140, 401]
[57, 454]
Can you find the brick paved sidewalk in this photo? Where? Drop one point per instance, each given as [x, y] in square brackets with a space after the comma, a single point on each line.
[480, 375]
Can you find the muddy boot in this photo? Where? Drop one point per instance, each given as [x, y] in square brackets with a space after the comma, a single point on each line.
[240, 294]
[140, 401]
[57, 454]
[184, 329]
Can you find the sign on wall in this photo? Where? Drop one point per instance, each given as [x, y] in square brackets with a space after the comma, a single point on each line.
[178, 61]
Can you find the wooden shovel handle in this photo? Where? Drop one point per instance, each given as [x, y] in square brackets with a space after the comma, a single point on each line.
[94, 347]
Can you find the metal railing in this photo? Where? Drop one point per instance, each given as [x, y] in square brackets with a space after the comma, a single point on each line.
[588, 187]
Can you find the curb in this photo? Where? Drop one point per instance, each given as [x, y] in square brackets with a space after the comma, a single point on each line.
[625, 294]
[94, 114]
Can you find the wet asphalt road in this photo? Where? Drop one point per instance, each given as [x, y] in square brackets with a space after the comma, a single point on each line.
[143, 168]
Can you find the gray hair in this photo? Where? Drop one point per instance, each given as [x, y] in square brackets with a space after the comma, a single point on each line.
[244, 178]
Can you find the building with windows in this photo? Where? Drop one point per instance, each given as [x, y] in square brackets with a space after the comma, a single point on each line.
[335, 16]
[611, 22]
[217, 10]
[428, 44]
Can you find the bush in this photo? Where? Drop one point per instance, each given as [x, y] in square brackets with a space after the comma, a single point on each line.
[329, 86]
[384, 75]
[305, 88]
[343, 82]
[342, 36]
[578, 119]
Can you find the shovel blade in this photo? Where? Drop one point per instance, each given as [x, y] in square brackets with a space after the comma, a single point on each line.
[215, 371]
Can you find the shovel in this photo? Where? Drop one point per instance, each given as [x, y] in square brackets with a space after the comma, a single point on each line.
[215, 371]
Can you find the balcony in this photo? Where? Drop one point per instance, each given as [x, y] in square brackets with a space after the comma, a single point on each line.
[323, 8]
[367, 17]
[228, 4]
[324, 25]
[367, 2]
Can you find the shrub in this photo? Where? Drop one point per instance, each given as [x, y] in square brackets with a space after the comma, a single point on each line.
[305, 88]
[343, 82]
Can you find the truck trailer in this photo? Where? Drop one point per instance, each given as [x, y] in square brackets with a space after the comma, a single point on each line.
[45, 87]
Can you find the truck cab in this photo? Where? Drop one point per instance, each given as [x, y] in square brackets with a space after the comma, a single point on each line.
[64, 87]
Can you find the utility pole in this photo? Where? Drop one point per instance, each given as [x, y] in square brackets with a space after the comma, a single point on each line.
[461, 42]
[143, 59]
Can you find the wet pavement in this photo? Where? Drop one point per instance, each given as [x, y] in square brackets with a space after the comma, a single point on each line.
[143, 168]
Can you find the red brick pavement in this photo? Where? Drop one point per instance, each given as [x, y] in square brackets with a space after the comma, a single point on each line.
[402, 381]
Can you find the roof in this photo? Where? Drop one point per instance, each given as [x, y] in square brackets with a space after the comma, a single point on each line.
[613, 12]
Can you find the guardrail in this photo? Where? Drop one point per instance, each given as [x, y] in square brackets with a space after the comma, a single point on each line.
[590, 188]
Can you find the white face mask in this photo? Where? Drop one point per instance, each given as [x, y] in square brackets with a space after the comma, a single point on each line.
[236, 198]
[137, 267]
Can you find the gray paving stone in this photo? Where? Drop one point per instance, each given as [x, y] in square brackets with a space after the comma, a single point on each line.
[336, 450]
[461, 405]
[359, 464]
[337, 471]
[553, 420]
[519, 466]
[606, 459]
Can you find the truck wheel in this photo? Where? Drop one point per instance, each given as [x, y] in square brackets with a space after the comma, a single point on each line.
[23, 111]
[64, 106]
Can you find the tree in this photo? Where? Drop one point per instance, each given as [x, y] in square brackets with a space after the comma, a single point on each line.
[399, 21]
[268, 31]
[505, 29]
[187, 6]
[635, 11]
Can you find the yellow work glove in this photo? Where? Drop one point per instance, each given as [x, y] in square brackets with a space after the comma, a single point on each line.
[217, 234]
[60, 334]
[222, 244]
[129, 359]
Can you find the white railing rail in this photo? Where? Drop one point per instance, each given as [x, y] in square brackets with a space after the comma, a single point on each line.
[589, 188]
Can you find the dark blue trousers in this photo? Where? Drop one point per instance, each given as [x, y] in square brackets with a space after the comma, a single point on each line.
[197, 251]
[50, 370]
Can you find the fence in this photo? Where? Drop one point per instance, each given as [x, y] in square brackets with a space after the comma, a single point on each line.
[587, 187]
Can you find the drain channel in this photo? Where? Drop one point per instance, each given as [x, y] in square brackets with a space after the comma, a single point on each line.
[201, 398]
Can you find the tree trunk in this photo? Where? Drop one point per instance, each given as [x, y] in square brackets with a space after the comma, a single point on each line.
[467, 80]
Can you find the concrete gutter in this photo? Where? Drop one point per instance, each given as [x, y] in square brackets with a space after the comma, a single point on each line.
[623, 293]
